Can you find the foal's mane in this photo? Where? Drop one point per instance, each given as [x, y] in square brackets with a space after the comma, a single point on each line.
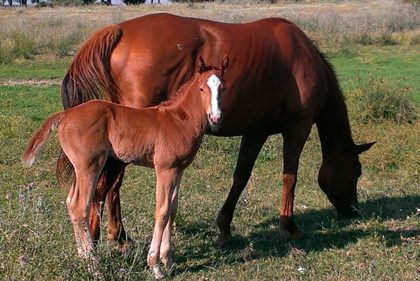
[177, 97]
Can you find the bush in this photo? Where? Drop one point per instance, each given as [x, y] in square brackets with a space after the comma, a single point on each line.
[67, 2]
[192, 1]
[44, 5]
[378, 100]
[134, 2]
[23, 45]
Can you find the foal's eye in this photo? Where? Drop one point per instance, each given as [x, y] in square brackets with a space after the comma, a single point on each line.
[201, 90]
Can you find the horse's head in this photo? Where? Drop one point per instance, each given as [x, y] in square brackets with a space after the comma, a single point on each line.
[212, 85]
[338, 178]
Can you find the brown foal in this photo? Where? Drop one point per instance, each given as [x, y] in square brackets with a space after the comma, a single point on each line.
[165, 137]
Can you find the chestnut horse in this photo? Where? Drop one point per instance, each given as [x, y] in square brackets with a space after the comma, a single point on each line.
[278, 83]
[165, 137]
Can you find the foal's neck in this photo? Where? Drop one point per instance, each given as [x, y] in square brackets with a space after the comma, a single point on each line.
[186, 104]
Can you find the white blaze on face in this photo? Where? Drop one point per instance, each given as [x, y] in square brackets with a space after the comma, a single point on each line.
[214, 83]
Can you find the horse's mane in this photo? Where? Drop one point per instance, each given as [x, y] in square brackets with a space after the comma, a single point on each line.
[176, 97]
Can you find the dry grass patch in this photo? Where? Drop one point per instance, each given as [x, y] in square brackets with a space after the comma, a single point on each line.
[61, 31]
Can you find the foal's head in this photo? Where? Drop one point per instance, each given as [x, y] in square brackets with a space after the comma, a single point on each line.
[212, 85]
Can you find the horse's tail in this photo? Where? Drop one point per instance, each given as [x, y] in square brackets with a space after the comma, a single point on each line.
[89, 77]
[39, 139]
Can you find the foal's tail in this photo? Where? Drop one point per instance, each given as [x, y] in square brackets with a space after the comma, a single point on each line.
[89, 77]
[40, 138]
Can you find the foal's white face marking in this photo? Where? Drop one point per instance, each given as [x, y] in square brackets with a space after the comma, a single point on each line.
[214, 83]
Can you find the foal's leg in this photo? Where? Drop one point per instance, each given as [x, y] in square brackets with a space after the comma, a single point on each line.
[248, 153]
[165, 186]
[78, 203]
[294, 141]
[166, 246]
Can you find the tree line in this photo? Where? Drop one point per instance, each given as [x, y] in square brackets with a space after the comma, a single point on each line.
[53, 3]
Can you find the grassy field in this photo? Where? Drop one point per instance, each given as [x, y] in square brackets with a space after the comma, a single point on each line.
[36, 236]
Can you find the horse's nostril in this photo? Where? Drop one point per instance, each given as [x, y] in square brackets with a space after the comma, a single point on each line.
[215, 118]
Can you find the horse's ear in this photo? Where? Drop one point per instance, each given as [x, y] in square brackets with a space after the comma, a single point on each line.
[363, 147]
[200, 64]
[225, 63]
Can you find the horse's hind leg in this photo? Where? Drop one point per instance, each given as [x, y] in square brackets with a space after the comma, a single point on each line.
[116, 230]
[109, 184]
[248, 153]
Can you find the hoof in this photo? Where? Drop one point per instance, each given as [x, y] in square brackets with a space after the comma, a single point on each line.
[294, 233]
[158, 274]
[223, 239]
[170, 270]
[297, 234]
[122, 240]
[124, 246]
[98, 275]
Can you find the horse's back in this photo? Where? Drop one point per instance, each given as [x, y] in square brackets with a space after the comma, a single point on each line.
[275, 72]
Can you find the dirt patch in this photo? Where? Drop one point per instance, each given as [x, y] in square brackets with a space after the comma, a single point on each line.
[30, 82]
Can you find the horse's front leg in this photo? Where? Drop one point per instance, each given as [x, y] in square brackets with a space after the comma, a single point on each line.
[166, 181]
[250, 148]
[294, 141]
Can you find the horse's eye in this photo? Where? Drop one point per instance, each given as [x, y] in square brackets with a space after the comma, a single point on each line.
[201, 90]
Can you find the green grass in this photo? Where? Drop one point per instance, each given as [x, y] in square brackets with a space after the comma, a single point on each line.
[37, 243]
[391, 63]
[41, 68]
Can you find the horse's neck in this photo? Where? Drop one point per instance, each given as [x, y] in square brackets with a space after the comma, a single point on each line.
[334, 127]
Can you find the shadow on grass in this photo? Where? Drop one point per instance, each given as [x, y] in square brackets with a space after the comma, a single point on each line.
[322, 231]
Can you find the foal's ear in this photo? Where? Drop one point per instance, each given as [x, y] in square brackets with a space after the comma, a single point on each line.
[224, 63]
[363, 147]
[200, 64]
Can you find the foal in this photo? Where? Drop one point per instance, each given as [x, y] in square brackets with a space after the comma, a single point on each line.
[165, 137]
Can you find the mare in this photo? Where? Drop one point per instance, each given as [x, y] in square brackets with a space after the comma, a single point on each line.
[278, 83]
[165, 137]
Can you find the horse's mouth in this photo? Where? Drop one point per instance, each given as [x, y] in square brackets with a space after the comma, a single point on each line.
[215, 126]
[352, 213]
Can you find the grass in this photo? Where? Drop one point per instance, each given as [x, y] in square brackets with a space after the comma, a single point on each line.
[39, 244]
[36, 236]
[25, 33]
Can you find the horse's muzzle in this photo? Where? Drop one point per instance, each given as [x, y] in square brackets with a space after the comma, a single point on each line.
[352, 213]
[215, 119]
